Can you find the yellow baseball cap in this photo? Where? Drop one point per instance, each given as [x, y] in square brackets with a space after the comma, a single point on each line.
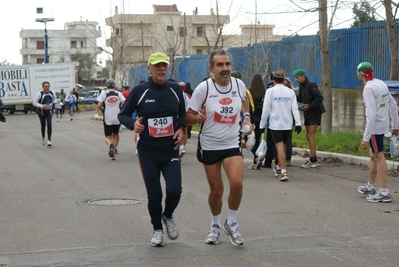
[158, 58]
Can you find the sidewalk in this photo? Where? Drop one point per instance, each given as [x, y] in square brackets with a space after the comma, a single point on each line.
[345, 158]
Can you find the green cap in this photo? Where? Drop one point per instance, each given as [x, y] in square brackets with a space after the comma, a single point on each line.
[299, 72]
[365, 67]
[158, 58]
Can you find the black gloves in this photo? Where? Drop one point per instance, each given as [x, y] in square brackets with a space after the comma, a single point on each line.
[298, 129]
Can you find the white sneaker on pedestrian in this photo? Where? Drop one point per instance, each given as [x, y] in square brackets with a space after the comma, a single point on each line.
[157, 239]
[182, 151]
[253, 166]
[43, 142]
[171, 227]
[49, 143]
[232, 231]
[213, 236]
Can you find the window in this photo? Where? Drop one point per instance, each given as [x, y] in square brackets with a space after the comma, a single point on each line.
[73, 44]
[170, 50]
[39, 60]
[169, 28]
[199, 51]
[199, 31]
[182, 31]
[82, 44]
[40, 45]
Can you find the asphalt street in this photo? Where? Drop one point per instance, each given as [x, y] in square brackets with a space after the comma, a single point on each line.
[70, 205]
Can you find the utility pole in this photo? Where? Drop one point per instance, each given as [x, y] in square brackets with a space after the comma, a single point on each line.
[142, 41]
[184, 36]
[123, 43]
[46, 55]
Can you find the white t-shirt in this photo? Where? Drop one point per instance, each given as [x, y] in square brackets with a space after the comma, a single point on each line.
[380, 105]
[223, 105]
[280, 104]
[112, 106]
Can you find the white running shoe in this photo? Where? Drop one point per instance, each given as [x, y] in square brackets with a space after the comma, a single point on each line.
[171, 228]
[253, 166]
[157, 239]
[232, 231]
[213, 236]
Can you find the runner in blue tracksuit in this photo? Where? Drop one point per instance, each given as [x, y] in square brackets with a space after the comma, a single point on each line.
[160, 109]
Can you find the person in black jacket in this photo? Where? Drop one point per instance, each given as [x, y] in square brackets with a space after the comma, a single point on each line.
[160, 109]
[2, 118]
[257, 90]
[312, 99]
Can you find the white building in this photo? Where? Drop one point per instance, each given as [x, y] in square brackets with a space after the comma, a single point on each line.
[77, 36]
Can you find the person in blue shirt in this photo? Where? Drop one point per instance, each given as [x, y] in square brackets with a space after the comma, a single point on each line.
[160, 109]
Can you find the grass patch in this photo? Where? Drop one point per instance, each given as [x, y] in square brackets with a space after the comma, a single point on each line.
[337, 142]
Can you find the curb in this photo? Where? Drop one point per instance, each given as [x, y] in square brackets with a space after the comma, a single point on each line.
[345, 158]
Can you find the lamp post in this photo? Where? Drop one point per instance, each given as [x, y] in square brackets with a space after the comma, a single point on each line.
[45, 20]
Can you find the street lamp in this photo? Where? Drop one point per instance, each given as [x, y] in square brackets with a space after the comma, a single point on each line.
[45, 20]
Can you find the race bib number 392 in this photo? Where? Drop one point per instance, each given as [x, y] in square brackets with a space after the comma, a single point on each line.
[160, 127]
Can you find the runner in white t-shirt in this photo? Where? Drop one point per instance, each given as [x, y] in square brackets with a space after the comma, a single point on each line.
[217, 103]
[110, 101]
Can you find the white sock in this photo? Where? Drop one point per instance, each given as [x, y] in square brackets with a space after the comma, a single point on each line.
[370, 186]
[283, 170]
[232, 217]
[216, 220]
[384, 191]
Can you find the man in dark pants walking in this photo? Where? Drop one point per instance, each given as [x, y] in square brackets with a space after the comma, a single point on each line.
[44, 101]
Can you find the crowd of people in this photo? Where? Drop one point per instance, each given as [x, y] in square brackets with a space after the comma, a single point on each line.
[161, 111]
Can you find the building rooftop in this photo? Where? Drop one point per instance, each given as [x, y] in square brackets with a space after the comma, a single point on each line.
[165, 9]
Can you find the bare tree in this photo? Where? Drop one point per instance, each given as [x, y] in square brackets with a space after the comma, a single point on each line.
[325, 66]
[393, 44]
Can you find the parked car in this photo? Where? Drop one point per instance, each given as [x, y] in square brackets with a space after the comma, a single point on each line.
[85, 91]
[91, 97]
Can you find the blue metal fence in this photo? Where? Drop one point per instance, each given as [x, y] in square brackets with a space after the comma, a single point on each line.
[348, 47]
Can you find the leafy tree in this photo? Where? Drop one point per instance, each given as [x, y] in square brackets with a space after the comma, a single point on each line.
[363, 12]
[86, 64]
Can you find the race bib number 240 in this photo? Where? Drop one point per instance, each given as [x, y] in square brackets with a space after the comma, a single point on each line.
[160, 127]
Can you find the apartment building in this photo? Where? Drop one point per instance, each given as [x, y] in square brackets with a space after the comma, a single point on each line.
[77, 36]
[135, 36]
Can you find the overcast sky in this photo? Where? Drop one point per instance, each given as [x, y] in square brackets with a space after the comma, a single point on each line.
[286, 15]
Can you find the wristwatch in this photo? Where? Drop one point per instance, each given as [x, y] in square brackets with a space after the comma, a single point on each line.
[183, 129]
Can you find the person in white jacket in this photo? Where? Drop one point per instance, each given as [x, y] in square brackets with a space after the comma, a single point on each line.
[280, 104]
[380, 106]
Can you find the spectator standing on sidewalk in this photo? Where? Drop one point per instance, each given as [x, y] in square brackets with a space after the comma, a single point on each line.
[380, 106]
[257, 90]
[217, 104]
[312, 109]
[2, 118]
[160, 122]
